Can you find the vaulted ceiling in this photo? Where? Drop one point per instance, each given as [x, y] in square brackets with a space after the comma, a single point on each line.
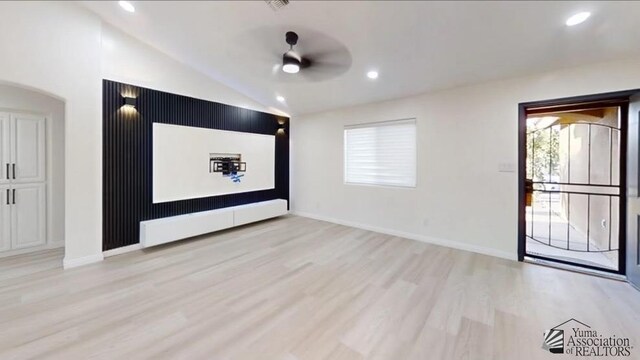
[415, 46]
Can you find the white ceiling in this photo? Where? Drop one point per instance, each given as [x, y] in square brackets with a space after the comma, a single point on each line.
[415, 46]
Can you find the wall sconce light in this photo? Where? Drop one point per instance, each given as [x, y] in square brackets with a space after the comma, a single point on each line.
[129, 101]
[281, 128]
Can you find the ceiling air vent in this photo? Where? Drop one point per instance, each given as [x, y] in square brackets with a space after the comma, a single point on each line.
[276, 5]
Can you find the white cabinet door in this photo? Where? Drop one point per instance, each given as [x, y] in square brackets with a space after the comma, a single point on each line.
[28, 217]
[5, 218]
[28, 135]
[5, 148]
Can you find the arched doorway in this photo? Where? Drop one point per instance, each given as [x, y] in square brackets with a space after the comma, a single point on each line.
[32, 156]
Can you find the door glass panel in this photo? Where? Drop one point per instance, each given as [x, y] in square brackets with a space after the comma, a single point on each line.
[573, 168]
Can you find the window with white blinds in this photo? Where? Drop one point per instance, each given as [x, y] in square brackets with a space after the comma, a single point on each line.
[381, 153]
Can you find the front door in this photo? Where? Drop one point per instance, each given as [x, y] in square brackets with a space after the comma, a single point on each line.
[575, 175]
[633, 199]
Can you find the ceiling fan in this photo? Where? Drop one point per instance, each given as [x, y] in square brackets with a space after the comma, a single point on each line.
[309, 56]
[292, 62]
[320, 58]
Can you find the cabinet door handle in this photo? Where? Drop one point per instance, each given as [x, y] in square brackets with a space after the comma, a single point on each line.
[7, 196]
[14, 171]
[14, 196]
[7, 171]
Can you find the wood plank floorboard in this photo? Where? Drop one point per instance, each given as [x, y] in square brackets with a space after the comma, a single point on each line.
[294, 288]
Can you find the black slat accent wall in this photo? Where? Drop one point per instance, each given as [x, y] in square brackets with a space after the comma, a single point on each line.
[127, 156]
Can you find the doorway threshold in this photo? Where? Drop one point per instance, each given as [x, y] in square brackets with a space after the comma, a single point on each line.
[577, 269]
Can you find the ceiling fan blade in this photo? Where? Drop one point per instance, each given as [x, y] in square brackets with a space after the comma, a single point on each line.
[328, 53]
[325, 67]
[329, 64]
[321, 73]
[262, 47]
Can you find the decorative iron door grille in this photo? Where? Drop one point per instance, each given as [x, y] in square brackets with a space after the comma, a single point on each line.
[573, 191]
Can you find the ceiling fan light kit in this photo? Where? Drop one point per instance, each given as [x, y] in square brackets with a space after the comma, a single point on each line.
[290, 63]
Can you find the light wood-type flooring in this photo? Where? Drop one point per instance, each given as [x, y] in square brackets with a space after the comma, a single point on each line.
[296, 288]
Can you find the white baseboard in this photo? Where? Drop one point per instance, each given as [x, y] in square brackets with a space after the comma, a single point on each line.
[31, 249]
[426, 239]
[71, 263]
[122, 250]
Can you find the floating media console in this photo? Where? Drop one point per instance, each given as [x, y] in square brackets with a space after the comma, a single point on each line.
[165, 230]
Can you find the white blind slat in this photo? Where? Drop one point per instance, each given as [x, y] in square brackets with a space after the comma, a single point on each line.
[381, 153]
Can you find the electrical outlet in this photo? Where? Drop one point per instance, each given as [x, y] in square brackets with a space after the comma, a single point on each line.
[508, 167]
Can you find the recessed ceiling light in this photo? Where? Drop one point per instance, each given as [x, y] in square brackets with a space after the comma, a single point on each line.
[280, 98]
[372, 74]
[127, 6]
[578, 18]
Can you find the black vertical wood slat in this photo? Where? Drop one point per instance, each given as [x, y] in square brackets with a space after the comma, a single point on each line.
[127, 156]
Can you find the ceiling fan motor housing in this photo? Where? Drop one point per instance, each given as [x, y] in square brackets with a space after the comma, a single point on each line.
[290, 58]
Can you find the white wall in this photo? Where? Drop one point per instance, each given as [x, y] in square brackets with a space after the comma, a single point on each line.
[127, 60]
[191, 163]
[18, 99]
[463, 134]
[56, 48]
